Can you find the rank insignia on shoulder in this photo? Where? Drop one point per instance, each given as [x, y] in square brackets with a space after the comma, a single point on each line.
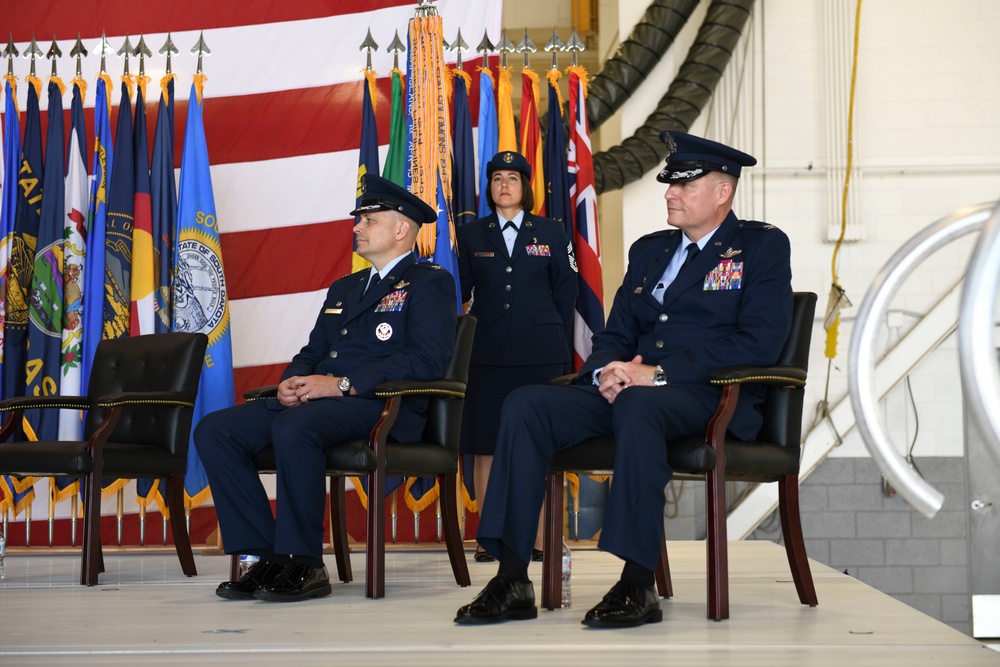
[769, 227]
[730, 253]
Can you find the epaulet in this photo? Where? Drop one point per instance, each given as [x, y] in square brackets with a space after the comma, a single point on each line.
[659, 234]
[756, 224]
[426, 265]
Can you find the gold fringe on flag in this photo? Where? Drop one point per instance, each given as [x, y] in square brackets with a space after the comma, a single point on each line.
[106, 78]
[488, 72]
[581, 73]
[372, 78]
[80, 83]
[12, 80]
[36, 82]
[553, 76]
[425, 501]
[199, 85]
[465, 77]
[59, 82]
[164, 82]
[129, 81]
[143, 81]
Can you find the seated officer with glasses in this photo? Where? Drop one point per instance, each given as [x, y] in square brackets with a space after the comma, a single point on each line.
[394, 321]
[714, 292]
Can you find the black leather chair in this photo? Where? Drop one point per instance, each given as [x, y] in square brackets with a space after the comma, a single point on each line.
[376, 458]
[139, 408]
[773, 457]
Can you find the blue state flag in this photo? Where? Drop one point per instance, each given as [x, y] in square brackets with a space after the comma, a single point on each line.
[27, 217]
[164, 203]
[92, 318]
[45, 305]
[557, 202]
[488, 135]
[118, 229]
[200, 300]
[464, 166]
[367, 160]
[8, 202]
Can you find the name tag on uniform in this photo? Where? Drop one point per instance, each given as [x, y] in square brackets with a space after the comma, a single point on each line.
[536, 250]
[392, 302]
[484, 254]
[333, 311]
[727, 275]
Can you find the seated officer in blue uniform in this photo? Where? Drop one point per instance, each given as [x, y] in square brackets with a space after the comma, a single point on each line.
[396, 320]
[713, 292]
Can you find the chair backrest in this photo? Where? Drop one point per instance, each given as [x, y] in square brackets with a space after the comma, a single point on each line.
[782, 407]
[444, 415]
[170, 362]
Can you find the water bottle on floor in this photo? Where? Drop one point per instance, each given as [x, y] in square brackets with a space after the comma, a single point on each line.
[246, 561]
[567, 570]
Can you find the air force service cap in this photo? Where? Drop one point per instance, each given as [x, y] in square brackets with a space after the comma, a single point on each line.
[509, 161]
[379, 194]
[690, 157]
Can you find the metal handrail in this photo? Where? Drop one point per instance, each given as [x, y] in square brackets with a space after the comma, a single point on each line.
[861, 361]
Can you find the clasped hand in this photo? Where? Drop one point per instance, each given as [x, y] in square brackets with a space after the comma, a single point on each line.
[619, 375]
[300, 389]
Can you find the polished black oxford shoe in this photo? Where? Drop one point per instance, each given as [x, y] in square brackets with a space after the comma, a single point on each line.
[626, 605]
[260, 573]
[297, 581]
[503, 599]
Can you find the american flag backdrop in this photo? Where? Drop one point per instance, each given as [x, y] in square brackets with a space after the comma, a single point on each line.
[282, 120]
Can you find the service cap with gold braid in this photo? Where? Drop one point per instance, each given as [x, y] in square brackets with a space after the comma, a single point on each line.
[690, 157]
[379, 194]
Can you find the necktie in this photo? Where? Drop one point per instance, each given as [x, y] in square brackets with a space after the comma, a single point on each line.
[375, 279]
[692, 251]
[509, 225]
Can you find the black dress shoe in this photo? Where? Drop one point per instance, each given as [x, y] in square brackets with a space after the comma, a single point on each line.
[483, 556]
[297, 581]
[626, 605]
[502, 599]
[537, 555]
[260, 573]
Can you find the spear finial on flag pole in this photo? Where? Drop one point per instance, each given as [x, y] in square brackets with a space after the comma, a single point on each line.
[104, 49]
[486, 47]
[368, 46]
[53, 53]
[554, 46]
[10, 52]
[395, 48]
[201, 48]
[126, 51]
[506, 46]
[142, 51]
[78, 51]
[425, 9]
[574, 46]
[32, 52]
[527, 47]
[458, 45]
[168, 48]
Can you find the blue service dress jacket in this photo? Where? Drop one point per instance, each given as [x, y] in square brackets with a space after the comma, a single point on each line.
[731, 306]
[403, 327]
[523, 301]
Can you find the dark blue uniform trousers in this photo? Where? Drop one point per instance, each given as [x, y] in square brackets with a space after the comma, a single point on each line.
[227, 441]
[538, 421]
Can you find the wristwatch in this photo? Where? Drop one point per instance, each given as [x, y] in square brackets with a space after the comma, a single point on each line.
[659, 377]
[344, 385]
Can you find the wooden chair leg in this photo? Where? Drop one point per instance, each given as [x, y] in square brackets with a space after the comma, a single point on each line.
[717, 546]
[338, 529]
[663, 584]
[448, 486]
[234, 567]
[795, 546]
[178, 526]
[552, 543]
[91, 563]
[375, 552]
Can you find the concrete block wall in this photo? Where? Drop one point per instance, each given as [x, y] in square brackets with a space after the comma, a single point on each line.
[851, 525]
